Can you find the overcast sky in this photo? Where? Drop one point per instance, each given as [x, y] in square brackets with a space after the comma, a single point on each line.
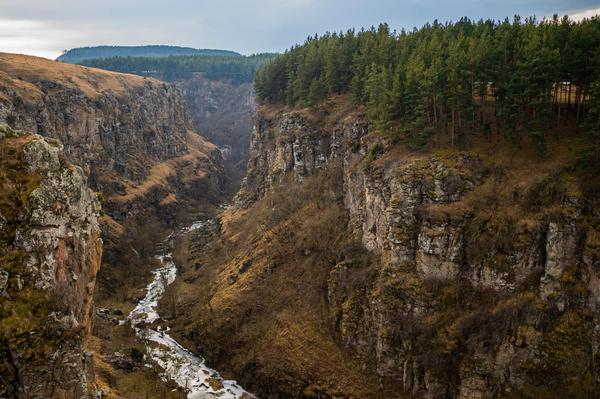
[46, 27]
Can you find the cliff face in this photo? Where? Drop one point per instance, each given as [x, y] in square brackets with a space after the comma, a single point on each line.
[223, 112]
[486, 279]
[132, 137]
[50, 251]
[131, 134]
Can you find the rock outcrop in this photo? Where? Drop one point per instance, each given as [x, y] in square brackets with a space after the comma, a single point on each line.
[50, 252]
[131, 135]
[486, 284]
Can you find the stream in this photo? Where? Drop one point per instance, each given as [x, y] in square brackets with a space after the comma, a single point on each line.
[188, 370]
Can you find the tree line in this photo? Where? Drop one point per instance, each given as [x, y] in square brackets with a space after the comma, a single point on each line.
[236, 70]
[521, 77]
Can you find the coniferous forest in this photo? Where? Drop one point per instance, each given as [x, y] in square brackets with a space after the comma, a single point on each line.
[235, 69]
[524, 78]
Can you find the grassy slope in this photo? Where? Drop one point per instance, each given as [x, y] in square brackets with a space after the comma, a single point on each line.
[254, 300]
[20, 71]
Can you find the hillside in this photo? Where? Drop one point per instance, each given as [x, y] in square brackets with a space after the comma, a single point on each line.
[353, 272]
[376, 254]
[77, 55]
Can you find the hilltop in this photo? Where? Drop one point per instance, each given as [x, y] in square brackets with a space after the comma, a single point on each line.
[77, 55]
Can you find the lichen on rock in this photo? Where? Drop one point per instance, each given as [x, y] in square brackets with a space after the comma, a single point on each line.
[50, 254]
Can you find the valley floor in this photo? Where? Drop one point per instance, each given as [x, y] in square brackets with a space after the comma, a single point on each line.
[154, 363]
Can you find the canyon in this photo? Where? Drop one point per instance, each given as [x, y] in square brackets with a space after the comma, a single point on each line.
[347, 265]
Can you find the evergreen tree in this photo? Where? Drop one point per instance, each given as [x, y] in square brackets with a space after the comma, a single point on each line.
[317, 91]
[454, 78]
[376, 89]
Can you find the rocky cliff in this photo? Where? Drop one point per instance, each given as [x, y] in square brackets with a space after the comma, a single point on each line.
[131, 134]
[50, 250]
[477, 275]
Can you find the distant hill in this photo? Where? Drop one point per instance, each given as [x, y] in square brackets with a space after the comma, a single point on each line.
[78, 55]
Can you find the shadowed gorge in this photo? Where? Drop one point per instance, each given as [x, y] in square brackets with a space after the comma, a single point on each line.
[219, 95]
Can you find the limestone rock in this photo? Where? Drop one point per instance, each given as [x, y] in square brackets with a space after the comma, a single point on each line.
[40, 156]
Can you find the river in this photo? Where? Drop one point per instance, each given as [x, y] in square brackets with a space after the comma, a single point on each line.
[188, 370]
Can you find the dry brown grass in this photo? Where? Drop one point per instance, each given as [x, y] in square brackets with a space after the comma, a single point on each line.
[15, 183]
[191, 166]
[114, 228]
[19, 71]
[254, 301]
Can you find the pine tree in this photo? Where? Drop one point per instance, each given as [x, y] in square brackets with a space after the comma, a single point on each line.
[416, 125]
[317, 91]
[591, 125]
[376, 89]
[461, 78]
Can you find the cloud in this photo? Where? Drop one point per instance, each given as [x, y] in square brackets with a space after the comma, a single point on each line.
[585, 14]
[33, 37]
[46, 27]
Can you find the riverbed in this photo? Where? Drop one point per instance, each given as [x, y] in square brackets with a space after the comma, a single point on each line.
[188, 370]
